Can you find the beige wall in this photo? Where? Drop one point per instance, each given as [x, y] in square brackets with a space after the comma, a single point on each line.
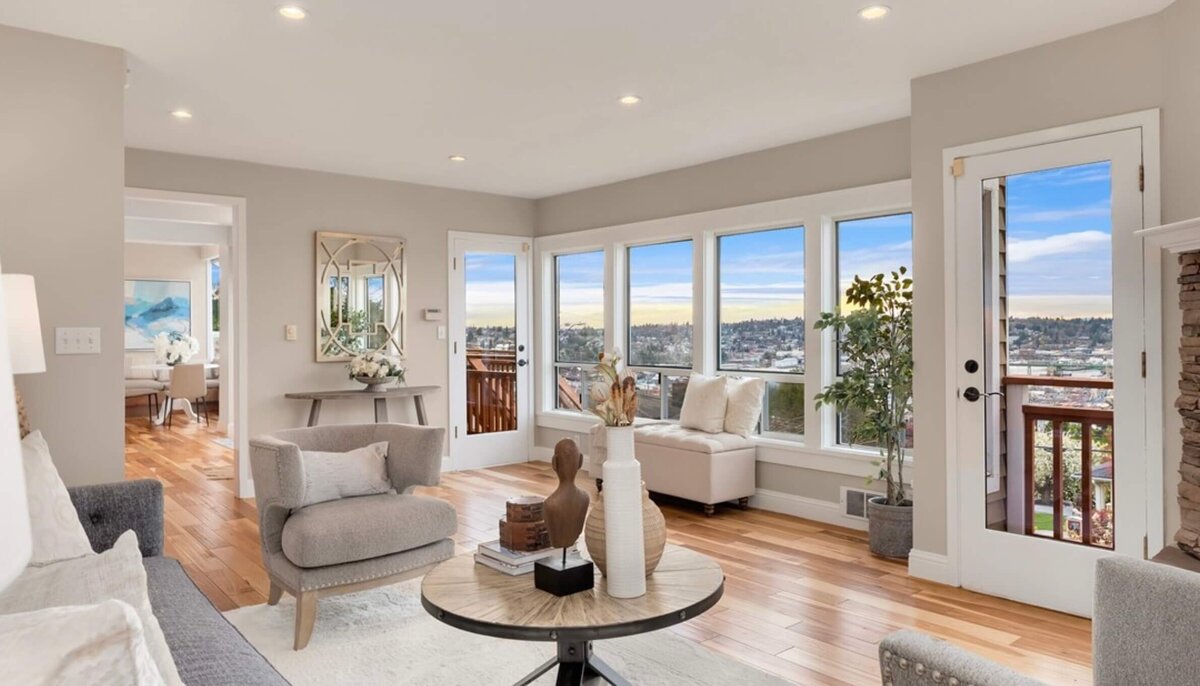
[61, 175]
[175, 263]
[284, 207]
[873, 154]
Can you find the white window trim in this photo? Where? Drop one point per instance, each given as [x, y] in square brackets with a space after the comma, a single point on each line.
[818, 448]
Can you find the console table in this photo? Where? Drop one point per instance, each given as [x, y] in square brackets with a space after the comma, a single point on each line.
[479, 599]
[417, 393]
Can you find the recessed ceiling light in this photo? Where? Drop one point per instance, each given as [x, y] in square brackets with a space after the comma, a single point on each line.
[458, 158]
[629, 100]
[181, 114]
[292, 12]
[874, 12]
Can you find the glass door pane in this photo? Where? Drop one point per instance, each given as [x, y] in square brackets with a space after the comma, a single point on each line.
[1048, 308]
[491, 342]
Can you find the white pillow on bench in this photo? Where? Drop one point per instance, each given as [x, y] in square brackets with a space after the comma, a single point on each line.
[745, 401]
[704, 404]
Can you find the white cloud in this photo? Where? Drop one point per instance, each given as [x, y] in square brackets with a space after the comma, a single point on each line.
[1063, 243]
[1020, 215]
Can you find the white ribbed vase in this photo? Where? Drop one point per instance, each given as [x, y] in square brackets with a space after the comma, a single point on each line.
[624, 539]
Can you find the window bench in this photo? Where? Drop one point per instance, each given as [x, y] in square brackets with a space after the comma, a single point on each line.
[685, 463]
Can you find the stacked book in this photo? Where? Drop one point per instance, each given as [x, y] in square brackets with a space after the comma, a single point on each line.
[512, 562]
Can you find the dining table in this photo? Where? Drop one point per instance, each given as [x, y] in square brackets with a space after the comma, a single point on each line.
[161, 417]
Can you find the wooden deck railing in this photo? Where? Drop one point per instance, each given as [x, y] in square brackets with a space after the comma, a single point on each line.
[491, 391]
[1089, 420]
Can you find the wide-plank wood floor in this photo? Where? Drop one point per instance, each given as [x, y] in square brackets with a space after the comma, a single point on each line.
[803, 600]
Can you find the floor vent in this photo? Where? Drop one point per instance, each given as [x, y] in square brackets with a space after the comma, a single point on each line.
[854, 502]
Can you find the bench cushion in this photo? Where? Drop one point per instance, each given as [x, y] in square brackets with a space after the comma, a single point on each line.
[365, 527]
[146, 386]
[675, 436]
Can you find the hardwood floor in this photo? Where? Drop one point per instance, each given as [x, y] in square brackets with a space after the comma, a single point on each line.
[803, 600]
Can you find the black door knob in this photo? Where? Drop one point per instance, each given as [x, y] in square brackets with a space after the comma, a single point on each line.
[521, 363]
[971, 366]
[972, 394]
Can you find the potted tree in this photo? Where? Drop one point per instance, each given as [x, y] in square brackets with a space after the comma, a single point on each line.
[875, 336]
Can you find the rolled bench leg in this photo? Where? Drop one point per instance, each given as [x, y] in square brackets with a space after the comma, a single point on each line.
[743, 503]
[709, 510]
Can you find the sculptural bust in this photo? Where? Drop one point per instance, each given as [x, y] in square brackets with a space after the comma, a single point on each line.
[566, 508]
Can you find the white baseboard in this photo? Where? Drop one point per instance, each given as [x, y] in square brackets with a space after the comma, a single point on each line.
[931, 566]
[817, 510]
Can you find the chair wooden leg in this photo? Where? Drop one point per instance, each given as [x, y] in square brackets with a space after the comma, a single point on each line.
[306, 616]
[275, 592]
[150, 407]
[207, 421]
[170, 410]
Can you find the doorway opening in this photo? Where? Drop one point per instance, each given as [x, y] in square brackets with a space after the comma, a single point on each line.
[184, 313]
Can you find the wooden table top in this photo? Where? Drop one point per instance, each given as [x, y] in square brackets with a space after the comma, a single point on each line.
[348, 393]
[479, 599]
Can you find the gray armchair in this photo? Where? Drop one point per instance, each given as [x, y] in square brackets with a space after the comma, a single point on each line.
[352, 544]
[1144, 629]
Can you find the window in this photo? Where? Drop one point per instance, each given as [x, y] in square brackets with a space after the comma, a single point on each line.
[760, 305]
[866, 247]
[214, 312]
[578, 325]
[660, 305]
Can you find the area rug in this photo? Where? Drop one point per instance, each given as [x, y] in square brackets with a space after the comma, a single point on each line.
[384, 636]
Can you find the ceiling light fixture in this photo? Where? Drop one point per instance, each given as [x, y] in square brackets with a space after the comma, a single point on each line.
[181, 114]
[872, 12]
[629, 100]
[458, 158]
[293, 12]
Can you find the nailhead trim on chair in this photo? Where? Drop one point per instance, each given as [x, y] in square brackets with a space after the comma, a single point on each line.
[919, 669]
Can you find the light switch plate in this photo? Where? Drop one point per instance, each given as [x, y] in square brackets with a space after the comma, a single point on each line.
[289, 332]
[441, 333]
[77, 340]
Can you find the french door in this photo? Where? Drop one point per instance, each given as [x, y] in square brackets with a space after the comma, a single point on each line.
[490, 404]
[1049, 338]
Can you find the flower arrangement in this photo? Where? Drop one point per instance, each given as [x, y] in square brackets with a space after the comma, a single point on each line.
[614, 392]
[175, 348]
[375, 365]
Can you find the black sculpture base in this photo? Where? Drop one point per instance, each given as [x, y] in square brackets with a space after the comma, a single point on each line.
[564, 575]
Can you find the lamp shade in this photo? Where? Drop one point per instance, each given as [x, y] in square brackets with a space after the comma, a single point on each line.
[15, 541]
[23, 324]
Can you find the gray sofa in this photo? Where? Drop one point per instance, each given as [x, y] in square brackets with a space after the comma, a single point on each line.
[1144, 631]
[207, 650]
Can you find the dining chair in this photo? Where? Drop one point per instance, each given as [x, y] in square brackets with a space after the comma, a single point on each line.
[187, 382]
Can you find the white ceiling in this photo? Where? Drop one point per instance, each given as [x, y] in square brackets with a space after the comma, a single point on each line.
[527, 89]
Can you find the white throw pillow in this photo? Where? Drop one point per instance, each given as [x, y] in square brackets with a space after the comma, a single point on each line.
[116, 573]
[745, 397]
[332, 476]
[100, 644]
[704, 404]
[54, 523]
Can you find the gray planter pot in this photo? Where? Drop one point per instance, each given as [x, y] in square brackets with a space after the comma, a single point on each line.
[890, 527]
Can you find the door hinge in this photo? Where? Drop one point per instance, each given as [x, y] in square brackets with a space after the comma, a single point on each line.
[524, 247]
[1143, 364]
[454, 261]
[958, 167]
[456, 432]
[455, 347]
[1142, 178]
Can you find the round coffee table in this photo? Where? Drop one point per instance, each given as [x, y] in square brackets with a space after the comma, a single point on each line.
[478, 599]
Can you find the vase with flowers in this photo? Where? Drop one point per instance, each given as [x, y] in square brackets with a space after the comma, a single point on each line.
[375, 370]
[614, 401]
[172, 348]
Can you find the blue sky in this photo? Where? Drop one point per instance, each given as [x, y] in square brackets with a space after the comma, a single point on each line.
[581, 288]
[762, 275]
[491, 294]
[1060, 242]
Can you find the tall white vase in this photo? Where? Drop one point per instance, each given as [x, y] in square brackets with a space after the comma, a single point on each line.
[624, 538]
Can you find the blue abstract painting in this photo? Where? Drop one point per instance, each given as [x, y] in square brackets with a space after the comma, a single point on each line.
[152, 307]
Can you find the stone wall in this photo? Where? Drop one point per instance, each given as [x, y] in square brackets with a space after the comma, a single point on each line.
[1188, 536]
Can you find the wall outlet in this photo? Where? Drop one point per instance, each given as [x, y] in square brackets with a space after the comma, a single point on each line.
[289, 332]
[79, 340]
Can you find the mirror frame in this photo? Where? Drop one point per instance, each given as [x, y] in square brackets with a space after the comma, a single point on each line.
[397, 266]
